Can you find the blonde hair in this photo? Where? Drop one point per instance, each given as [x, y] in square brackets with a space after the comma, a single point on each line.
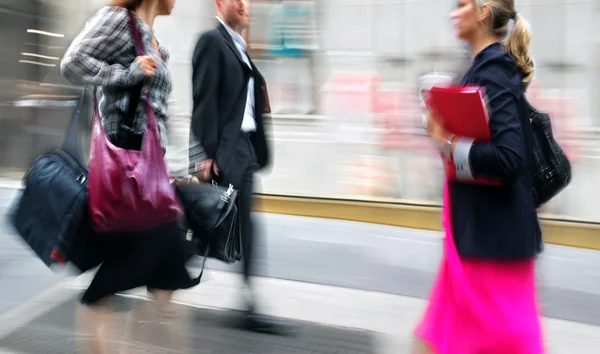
[518, 41]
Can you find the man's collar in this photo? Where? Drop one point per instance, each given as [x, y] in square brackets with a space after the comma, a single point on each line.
[234, 35]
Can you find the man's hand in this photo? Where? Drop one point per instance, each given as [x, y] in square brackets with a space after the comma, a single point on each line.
[204, 169]
[183, 181]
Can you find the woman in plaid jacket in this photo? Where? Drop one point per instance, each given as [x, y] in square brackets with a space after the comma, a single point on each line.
[104, 55]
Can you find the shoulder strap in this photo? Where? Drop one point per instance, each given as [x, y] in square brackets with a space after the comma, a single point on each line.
[127, 122]
[70, 143]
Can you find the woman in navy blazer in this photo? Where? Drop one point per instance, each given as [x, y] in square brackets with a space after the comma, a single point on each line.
[484, 298]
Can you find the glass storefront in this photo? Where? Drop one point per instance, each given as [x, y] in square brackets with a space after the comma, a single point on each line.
[367, 139]
[342, 78]
[35, 102]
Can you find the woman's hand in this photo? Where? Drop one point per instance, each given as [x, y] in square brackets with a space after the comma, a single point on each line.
[440, 136]
[147, 64]
[437, 133]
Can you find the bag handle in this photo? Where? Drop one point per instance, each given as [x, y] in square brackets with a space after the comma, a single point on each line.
[70, 143]
[136, 34]
[126, 126]
[198, 279]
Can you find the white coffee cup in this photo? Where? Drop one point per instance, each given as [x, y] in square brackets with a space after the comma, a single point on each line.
[426, 82]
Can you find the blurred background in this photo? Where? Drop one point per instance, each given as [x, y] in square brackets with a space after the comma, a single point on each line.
[342, 77]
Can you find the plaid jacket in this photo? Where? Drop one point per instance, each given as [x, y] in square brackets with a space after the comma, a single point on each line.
[103, 54]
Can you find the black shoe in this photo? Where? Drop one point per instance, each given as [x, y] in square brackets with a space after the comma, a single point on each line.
[262, 324]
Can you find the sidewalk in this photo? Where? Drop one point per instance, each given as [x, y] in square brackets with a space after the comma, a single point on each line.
[386, 320]
[372, 278]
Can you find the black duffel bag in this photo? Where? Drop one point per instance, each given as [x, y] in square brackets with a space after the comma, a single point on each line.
[211, 221]
[51, 209]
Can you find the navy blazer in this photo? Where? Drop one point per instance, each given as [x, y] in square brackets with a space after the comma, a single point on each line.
[488, 221]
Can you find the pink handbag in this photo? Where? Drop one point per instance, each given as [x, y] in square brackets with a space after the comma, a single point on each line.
[129, 190]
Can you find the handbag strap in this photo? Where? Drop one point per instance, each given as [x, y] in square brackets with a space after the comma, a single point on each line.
[127, 121]
[70, 143]
[197, 280]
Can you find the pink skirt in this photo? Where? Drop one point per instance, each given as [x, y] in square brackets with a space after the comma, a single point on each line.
[481, 307]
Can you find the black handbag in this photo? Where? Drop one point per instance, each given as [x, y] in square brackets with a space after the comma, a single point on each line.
[52, 207]
[211, 221]
[552, 169]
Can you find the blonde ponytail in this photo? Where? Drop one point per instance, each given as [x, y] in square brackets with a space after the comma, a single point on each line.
[517, 45]
[518, 40]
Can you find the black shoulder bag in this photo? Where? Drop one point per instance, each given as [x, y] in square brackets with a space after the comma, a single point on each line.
[551, 167]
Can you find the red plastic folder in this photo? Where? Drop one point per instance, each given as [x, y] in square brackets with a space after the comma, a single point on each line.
[461, 111]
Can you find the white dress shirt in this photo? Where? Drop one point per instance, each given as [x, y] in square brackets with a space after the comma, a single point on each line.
[248, 123]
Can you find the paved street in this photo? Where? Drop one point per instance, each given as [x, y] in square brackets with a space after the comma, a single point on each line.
[367, 322]
[20, 271]
[354, 261]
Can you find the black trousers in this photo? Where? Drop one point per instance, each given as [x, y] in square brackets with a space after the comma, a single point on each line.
[241, 176]
[154, 258]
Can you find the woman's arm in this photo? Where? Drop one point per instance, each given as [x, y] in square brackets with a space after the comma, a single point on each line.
[87, 59]
[503, 157]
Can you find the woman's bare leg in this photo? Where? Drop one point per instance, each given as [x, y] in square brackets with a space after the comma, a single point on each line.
[162, 301]
[420, 347]
[92, 321]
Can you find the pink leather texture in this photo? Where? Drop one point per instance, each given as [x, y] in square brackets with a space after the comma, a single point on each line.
[129, 190]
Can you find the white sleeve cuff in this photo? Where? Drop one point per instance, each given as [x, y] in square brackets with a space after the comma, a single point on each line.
[461, 159]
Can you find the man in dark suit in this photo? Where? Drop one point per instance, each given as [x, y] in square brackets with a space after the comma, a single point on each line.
[227, 135]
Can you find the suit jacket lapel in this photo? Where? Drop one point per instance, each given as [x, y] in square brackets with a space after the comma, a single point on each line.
[230, 43]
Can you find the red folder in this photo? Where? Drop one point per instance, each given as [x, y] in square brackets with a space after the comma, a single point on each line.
[461, 111]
